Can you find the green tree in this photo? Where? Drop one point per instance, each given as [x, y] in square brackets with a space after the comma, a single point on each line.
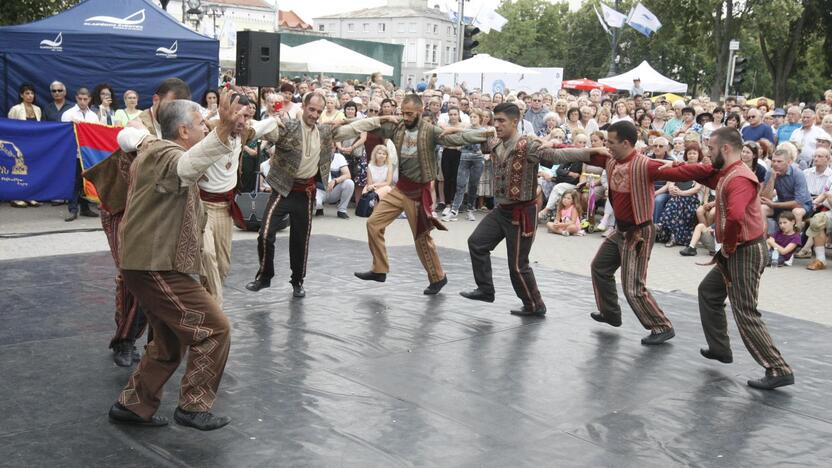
[26, 11]
[781, 30]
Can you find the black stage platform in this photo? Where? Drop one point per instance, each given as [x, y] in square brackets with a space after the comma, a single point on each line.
[378, 375]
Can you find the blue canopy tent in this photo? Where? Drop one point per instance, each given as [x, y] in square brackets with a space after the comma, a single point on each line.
[130, 44]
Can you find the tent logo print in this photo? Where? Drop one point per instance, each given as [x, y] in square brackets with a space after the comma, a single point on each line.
[132, 22]
[168, 53]
[53, 45]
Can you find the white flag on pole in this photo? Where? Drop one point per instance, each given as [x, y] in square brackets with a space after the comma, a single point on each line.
[614, 18]
[488, 18]
[601, 20]
[643, 20]
[229, 31]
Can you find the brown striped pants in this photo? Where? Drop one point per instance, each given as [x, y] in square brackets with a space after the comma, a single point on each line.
[632, 255]
[129, 317]
[387, 211]
[185, 319]
[744, 268]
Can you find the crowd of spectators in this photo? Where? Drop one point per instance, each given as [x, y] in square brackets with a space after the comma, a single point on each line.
[787, 147]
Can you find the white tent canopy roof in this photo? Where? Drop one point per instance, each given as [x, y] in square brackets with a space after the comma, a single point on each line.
[323, 56]
[484, 63]
[651, 80]
[288, 56]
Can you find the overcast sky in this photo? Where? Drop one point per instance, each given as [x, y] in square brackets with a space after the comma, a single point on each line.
[308, 9]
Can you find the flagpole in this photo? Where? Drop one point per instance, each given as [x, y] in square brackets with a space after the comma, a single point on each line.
[613, 70]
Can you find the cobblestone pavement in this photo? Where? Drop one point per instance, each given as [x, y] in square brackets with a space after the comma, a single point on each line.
[792, 291]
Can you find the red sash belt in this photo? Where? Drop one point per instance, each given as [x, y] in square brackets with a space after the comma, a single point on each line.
[226, 197]
[420, 193]
[304, 185]
[522, 215]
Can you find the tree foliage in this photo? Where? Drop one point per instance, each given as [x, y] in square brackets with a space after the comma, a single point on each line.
[26, 11]
[691, 46]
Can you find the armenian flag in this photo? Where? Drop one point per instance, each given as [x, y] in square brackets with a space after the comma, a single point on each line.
[95, 143]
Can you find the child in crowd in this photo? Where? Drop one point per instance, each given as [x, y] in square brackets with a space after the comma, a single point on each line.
[568, 219]
[784, 241]
[379, 172]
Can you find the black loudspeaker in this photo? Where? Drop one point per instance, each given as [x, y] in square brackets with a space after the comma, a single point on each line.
[258, 58]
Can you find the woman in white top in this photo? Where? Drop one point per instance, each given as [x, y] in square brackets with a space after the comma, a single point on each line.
[102, 104]
[130, 112]
[379, 172]
[26, 110]
[621, 112]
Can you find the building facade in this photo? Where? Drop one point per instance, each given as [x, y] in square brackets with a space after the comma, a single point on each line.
[428, 35]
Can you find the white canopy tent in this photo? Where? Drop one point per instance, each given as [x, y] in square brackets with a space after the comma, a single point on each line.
[323, 56]
[480, 66]
[651, 80]
[483, 63]
[288, 57]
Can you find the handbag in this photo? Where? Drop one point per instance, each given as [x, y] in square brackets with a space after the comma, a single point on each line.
[365, 205]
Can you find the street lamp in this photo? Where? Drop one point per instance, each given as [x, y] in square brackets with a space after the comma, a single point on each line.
[194, 13]
[213, 11]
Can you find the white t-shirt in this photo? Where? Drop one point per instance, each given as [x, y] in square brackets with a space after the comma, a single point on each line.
[378, 173]
[338, 161]
[808, 141]
[74, 114]
[222, 175]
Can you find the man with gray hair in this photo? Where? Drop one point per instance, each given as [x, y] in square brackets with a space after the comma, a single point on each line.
[805, 138]
[53, 111]
[537, 113]
[161, 240]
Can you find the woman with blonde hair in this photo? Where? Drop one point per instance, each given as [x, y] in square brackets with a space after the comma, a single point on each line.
[130, 111]
[379, 172]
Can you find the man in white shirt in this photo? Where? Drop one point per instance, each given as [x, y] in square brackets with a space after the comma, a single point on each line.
[806, 138]
[339, 188]
[80, 112]
[817, 177]
[453, 102]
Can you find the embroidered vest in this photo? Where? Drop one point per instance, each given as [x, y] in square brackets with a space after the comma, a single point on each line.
[751, 226]
[642, 193]
[515, 178]
[289, 151]
[425, 149]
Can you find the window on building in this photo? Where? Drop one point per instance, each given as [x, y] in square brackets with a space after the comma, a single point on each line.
[448, 58]
[413, 27]
[436, 29]
[427, 53]
[427, 27]
[402, 27]
[411, 52]
[449, 30]
[350, 27]
[382, 27]
[453, 56]
[320, 27]
[366, 27]
[435, 52]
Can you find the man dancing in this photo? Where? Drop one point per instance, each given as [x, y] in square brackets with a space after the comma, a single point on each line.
[217, 189]
[415, 141]
[303, 153]
[161, 238]
[631, 176]
[739, 264]
[516, 162]
[110, 180]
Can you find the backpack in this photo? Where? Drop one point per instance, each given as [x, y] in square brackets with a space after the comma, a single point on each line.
[365, 205]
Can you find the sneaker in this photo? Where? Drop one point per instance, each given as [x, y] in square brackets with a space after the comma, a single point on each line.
[565, 233]
[688, 252]
[470, 215]
[446, 211]
[450, 216]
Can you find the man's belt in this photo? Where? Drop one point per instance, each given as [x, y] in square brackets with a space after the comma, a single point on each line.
[225, 197]
[624, 226]
[419, 192]
[522, 216]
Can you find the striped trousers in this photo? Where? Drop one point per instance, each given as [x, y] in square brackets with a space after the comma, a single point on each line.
[743, 268]
[129, 317]
[216, 248]
[299, 207]
[185, 320]
[631, 253]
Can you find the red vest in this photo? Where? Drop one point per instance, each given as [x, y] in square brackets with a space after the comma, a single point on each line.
[642, 192]
[751, 226]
